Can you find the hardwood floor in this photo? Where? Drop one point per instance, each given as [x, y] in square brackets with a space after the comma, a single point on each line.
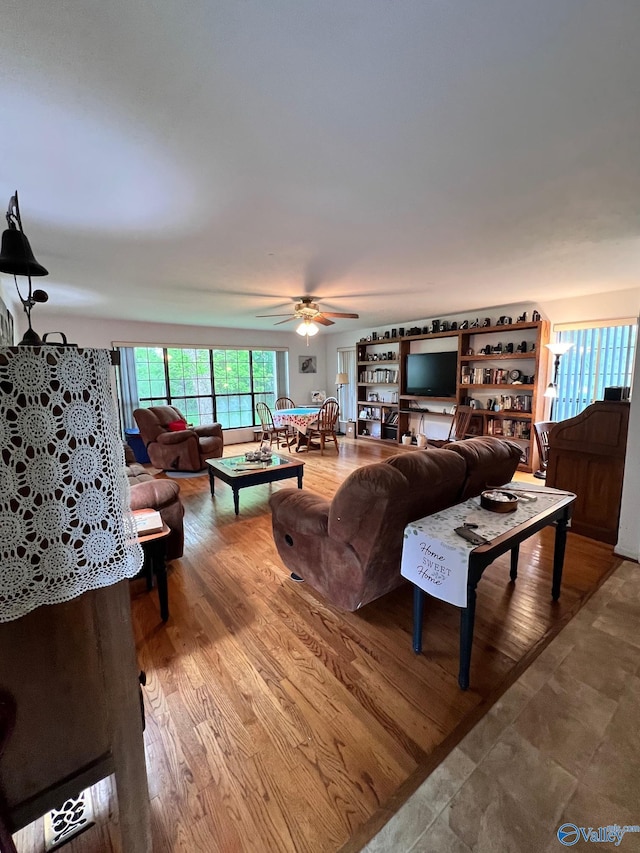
[276, 723]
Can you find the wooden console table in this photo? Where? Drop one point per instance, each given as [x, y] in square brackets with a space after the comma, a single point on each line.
[449, 568]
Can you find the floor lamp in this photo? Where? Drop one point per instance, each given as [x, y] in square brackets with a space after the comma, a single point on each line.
[342, 379]
[558, 349]
[542, 429]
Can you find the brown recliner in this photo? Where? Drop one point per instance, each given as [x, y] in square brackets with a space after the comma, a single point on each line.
[182, 450]
[349, 548]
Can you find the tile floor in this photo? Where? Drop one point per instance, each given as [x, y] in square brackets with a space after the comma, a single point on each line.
[561, 745]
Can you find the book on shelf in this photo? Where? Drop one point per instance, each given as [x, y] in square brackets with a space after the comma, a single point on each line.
[147, 521]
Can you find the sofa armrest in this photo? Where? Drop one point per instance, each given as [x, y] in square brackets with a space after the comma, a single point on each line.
[214, 430]
[168, 438]
[297, 511]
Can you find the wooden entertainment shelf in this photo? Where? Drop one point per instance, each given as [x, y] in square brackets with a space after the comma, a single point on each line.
[512, 383]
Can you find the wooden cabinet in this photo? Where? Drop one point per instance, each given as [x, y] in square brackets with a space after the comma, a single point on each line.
[502, 370]
[378, 368]
[587, 456]
[71, 669]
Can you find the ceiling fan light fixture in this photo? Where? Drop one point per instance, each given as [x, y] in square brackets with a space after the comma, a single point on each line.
[307, 329]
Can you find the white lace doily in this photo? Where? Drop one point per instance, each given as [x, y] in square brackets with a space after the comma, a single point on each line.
[65, 523]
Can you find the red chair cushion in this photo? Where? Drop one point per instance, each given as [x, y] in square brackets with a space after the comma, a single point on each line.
[176, 426]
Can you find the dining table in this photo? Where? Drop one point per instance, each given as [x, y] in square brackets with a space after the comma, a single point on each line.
[299, 418]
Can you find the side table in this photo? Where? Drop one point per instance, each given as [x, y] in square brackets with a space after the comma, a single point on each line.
[154, 548]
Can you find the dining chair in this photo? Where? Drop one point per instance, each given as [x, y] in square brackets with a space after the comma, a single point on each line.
[542, 430]
[325, 426]
[459, 430]
[269, 429]
[287, 403]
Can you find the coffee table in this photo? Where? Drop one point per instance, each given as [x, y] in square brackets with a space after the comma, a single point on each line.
[236, 472]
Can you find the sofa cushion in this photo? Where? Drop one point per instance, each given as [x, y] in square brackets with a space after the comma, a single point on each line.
[489, 462]
[176, 426]
[433, 480]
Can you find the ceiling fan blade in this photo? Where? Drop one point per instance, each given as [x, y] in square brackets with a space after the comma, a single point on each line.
[288, 314]
[288, 320]
[334, 314]
[319, 318]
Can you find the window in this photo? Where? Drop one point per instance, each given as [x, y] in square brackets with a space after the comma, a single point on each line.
[208, 385]
[346, 394]
[602, 355]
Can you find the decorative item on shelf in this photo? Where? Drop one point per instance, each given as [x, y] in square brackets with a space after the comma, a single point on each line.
[522, 347]
[470, 351]
[16, 258]
[486, 322]
[387, 335]
[464, 325]
[406, 438]
[435, 325]
[415, 330]
[390, 356]
[522, 318]
[497, 349]
[374, 336]
[401, 332]
[394, 333]
[504, 321]
[454, 327]
[474, 324]
[536, 316]
[508, 348]
[426, 330]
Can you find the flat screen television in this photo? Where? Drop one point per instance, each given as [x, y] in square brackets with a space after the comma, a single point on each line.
[432, 374]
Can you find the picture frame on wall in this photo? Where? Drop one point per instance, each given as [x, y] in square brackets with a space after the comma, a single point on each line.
[6, 326]
[307, 364]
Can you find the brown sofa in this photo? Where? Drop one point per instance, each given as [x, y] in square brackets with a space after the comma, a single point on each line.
[164, 495]
[183, 450]
[349, 549]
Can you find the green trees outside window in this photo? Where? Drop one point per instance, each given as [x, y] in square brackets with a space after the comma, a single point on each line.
[207, 385]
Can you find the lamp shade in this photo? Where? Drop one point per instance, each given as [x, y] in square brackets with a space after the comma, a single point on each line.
[307, 328]
[560, 347]
[551, 392]
[342, 379]
[16, 256]
[65, 523]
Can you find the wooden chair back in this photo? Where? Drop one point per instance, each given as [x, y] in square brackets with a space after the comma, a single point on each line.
[266, 418]
[461, 423]
[542, 430]
[328, 415]
[285, 403]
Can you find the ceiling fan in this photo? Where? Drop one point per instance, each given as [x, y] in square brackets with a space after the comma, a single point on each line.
[307, 310]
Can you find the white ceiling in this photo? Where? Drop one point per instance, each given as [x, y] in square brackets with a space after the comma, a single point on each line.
[205, 161]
